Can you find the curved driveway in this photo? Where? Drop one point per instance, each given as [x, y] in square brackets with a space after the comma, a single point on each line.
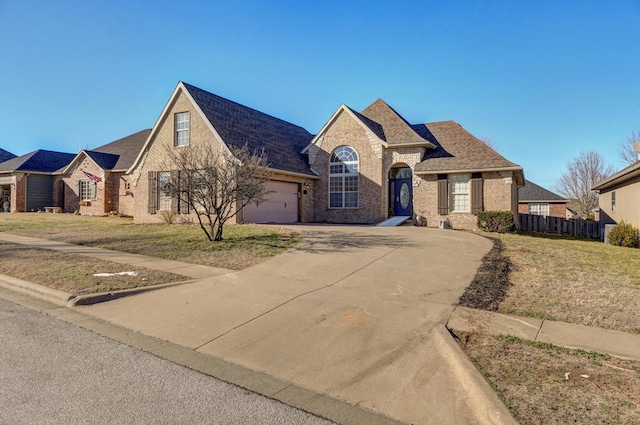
[353, 313]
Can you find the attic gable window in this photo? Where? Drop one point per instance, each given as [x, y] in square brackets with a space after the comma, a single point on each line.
[343, 178]
[182, 128]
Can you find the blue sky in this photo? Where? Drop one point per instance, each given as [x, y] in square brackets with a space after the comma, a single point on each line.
[544, 80]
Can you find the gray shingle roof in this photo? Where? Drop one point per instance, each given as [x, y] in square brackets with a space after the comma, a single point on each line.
[125, 150]
[531, 192]
[239, 125]
[457, 150]
[396, 129]
[40, 161]
[5, 155]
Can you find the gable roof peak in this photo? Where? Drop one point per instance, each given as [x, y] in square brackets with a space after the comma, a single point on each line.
[397, 130]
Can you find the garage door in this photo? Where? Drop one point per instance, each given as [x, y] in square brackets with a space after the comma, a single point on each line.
[280, 207]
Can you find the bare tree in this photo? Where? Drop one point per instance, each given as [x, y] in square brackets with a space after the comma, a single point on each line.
[582, 174]
[626, 153]
[215, 182]
[491, 143]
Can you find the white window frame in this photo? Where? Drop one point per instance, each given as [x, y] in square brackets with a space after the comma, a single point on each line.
[460, 193]
[344, 180]
[87, 190]
[539, 209]
[181, 122]
[164, 197]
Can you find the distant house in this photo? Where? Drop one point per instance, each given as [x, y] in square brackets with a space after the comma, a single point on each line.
[620, 197]
[536, 200]
[5, 156]
[361, 167]
[29, 179]
[96, 183]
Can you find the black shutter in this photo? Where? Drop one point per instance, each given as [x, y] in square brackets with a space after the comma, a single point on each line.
[184, 192]
[477, 196]
[152, 202]
[173, 185]
[443, 194]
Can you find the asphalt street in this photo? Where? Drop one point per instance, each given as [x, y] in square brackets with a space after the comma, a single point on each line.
[52, 372]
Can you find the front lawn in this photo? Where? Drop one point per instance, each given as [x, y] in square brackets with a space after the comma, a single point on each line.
[244, 245]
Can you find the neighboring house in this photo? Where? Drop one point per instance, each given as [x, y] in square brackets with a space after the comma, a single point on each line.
[619, 197]
[29, 179]
[5, 156]
[95, 182]
[362, 167]
[536, 200]
[192, 117]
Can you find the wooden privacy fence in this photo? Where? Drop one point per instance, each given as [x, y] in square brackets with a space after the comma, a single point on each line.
[560, 226]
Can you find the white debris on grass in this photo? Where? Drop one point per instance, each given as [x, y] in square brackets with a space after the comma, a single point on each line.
[116, 274]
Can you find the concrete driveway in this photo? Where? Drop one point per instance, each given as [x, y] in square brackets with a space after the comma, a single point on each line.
[353, 313]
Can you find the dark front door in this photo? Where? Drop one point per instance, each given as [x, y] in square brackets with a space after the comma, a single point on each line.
[402, 197]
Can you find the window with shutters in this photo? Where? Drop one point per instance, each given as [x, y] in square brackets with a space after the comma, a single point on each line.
[460, 196]
[164, 196]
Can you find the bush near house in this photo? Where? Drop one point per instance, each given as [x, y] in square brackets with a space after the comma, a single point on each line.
[496, 221]
[624, 234]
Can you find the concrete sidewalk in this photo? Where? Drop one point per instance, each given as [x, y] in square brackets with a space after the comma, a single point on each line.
[618, 344]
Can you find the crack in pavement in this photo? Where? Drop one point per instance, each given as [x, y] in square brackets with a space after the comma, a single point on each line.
[296, 297]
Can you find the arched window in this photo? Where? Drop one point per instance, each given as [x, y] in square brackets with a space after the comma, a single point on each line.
[343, 178]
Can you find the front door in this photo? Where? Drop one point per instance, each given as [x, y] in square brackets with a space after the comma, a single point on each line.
[402, 197]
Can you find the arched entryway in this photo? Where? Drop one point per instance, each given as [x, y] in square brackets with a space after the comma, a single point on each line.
[400, 191]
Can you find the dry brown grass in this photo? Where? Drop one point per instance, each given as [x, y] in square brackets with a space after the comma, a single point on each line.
[244, 245]
[74, 273]
[575, 281]
[531, 379]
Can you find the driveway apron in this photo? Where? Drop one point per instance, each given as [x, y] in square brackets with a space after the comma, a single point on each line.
[353, 312]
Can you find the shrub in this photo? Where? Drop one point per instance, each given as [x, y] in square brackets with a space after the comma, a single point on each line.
[624, 234]
[169, 217]
[496, 221]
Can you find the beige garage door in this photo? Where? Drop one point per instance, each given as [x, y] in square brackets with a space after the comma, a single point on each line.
[280, 207]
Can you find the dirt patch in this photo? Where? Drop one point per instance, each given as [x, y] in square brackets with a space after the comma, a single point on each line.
[544, 384]
[491, 282]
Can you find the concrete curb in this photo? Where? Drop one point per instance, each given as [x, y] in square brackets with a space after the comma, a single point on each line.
[65, 299]
[479, 396]
[114, 295]
[55, 296]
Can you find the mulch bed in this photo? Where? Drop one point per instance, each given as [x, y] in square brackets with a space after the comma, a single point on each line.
[491, 282]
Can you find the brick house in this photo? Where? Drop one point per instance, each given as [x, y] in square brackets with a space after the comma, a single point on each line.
[536, 200]
[361, 167]
[436, 171]
[28, 180]
[96, 183]
[193, 117]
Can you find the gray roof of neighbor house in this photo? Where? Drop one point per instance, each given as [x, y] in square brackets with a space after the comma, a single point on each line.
[457, 150]
[621, 176]
[397, 131]
[531, 192]
[238, 125]
[6, 155]
[120, 154]
[40, 161]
